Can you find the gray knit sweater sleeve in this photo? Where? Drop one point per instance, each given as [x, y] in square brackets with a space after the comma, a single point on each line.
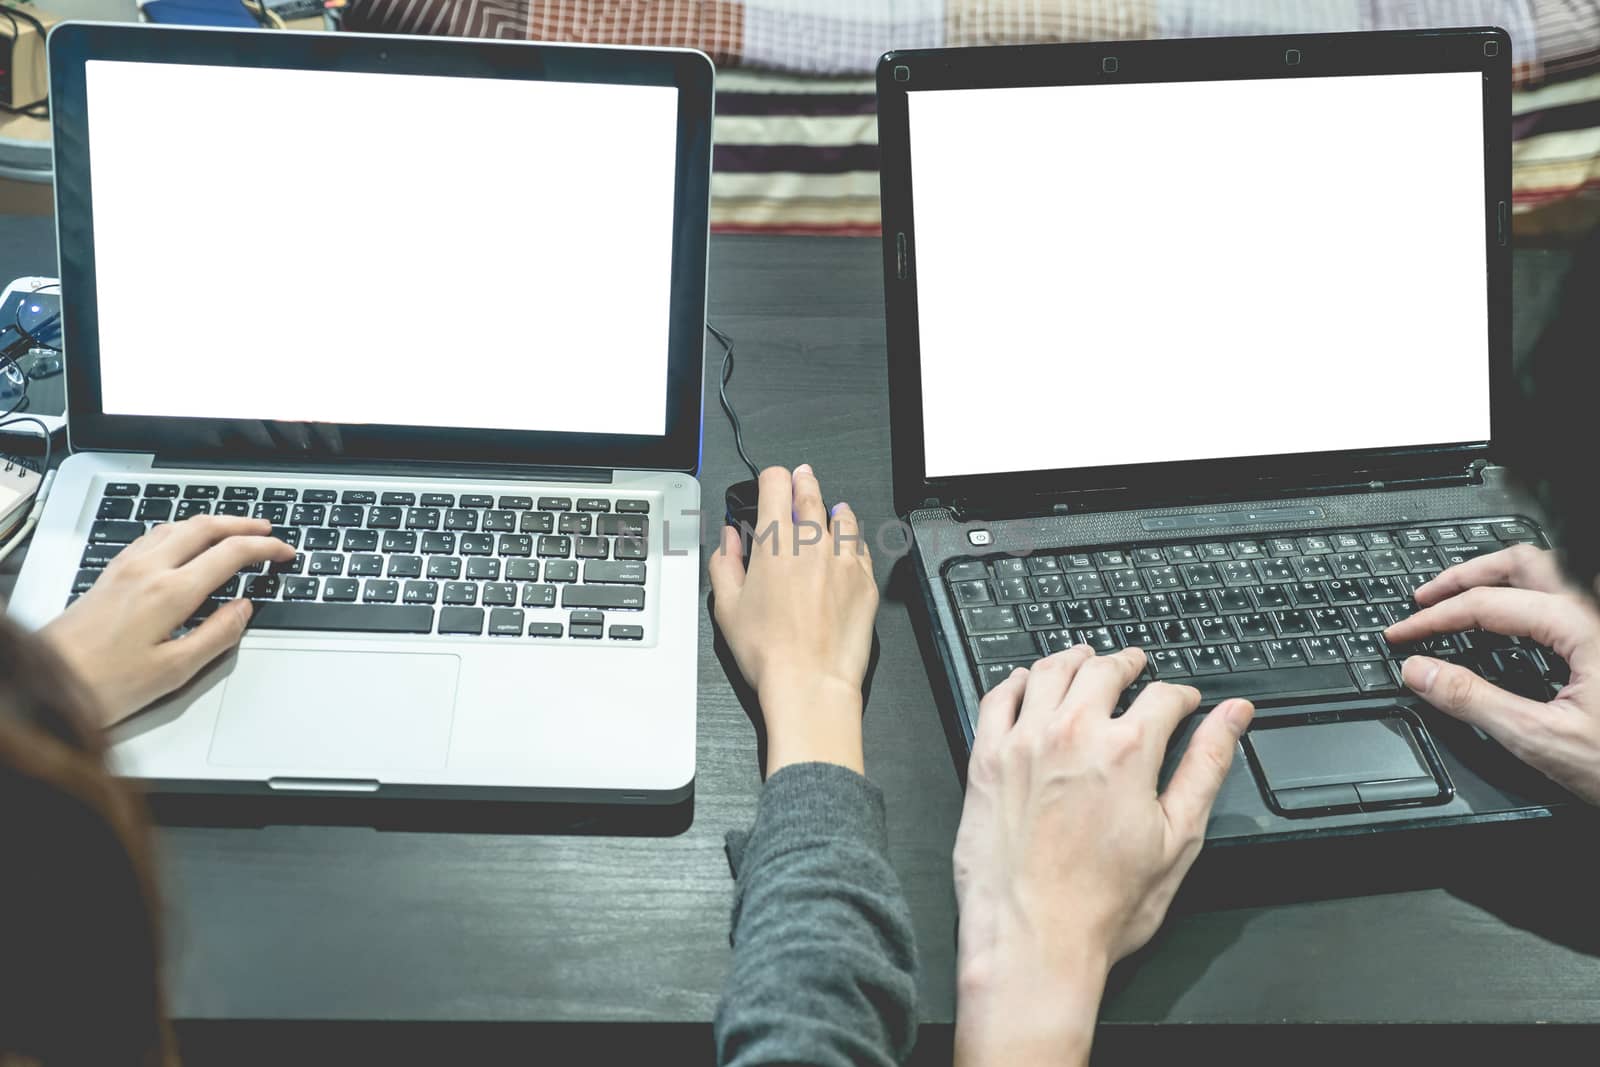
[824, 965]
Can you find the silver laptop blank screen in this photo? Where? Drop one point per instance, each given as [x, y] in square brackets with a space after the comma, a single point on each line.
[1142, 273]
[382, 248]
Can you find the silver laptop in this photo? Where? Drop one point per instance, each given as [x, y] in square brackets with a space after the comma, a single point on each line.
[434, 308]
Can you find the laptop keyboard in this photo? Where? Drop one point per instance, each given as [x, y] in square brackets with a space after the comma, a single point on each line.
[1275, 618]
[370, 561]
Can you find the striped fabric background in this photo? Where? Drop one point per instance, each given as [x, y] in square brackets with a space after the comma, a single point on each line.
[796, 132]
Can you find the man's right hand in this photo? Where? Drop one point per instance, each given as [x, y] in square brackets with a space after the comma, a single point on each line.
[1518, 593]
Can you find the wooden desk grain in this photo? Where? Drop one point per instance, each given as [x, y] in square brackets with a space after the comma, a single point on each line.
[344, 923]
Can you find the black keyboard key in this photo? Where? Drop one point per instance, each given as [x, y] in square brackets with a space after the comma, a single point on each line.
[555, 546]
[1367, 618]
[1191, 604]
[320, 538]
[460, 592]
[385, 518]
[1214, 551]
[1343, 591]
[1273, 571]
[1286, 653]
[115, 532]
[593, 503]
[1373, 676]
[1147, 556]
[189, 508]
[423, 518]
[289, 535]
[617, 573]
[506, 622]
[161, 491]
[1099, 638]
[966, 571]
[297, 565]
[1414, 538]
[114, 507]
[515, 545]
[1168, 663]
[399, 541]
[1118, 609]
[404, 566]
[201, 492]
[319, 496]
[992, 674]
[1287, 683]
[575, 523]
[562, 503]
[527, 570]
[238, 508]
[366, 565]
[1363, 646]
[1446, 535]
[398, 499]
[1137, 634]
[121, 489]
[1053, 641]
[438, 500]
[460, 519]
[1077, 561]
[1085, 584]
[984, 620]
[1213, 629]
[1349, 564]
[610, 597]
[380, 591]
[1450, 557]
[1270, 597]
[262, 587]
[326, 563]
[1293, 624]
[444, 567]
[308, 515]
[1308, 595]
[99, 555]
[358, 496]
[591, 548]
[1039, 616]
[993, 648]
[626, 632]
[966, 593]
[545, 629]
[84, 580]
[631, 548]
[539, 596]
[499, 521]
[640, 507]
[1076, 612]
[1253, 627]
[343, 590]
[1201, 575]
[346, 515]
[154, 510]
[1248, 550]
[1282, 546]
[1324, 650]
[300, 588]
[499, 594]
[586, 630]
[461, 620]
[271, 495]
[1330, 621]
[1421, 560]
[1233, 601]
[437, 544]
[537, 522]
[1044, 565]
[561, 570]
[483, 569]
[515, 503]
[277, 514]
[360, 539]
[477, 544]
[476, 500]
[354, 618]
[587, 618]
[1126, 580]
[1381, 590]
[638, 526]
[1162, 579]
[1246, 656]
[1207, 659]
[420, 592]
[1156, 606]
[1386, 561]
[1012, 590]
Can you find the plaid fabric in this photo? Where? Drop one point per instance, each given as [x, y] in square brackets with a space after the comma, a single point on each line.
[799, 154]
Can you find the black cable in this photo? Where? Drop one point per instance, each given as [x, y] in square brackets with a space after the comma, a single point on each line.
[41, 109]
[722, 395]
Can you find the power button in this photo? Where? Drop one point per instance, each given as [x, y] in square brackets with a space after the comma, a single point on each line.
[980, 538]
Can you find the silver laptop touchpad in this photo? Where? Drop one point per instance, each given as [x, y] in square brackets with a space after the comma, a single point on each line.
[358, 713]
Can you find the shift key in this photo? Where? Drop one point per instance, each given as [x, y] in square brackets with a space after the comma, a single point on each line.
[602, 596]
[991, 648]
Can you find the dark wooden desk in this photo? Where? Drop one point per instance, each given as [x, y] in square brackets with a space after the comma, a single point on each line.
[338, 923]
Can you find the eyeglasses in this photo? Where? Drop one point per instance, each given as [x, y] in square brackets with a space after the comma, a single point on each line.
[30, 347]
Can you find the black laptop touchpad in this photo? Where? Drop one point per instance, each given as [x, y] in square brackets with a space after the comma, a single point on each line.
[1325, 762]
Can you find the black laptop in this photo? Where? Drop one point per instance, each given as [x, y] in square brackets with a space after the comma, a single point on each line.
[1204, 346]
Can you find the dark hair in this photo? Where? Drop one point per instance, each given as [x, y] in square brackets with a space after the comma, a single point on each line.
[1556, 442]
[79, 980]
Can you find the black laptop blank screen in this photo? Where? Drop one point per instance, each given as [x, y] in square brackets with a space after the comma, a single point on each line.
[382, 248]
[1146, 273]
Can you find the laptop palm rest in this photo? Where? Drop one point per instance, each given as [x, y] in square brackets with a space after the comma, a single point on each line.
[350, 713]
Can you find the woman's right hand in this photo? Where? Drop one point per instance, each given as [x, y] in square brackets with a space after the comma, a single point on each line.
[799, 619]
[1518, 592]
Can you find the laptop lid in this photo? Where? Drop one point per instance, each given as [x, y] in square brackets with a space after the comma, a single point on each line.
[342, 247]
[1166, 269]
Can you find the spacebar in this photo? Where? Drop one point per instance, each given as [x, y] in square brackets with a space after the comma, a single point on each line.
[1287, 683]
[361, 618]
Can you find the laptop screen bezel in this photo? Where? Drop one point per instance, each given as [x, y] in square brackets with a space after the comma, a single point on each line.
[1179, 60]
[73, 45]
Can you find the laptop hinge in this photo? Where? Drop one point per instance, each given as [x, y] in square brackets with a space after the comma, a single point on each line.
[401, 468]
[1126, 498]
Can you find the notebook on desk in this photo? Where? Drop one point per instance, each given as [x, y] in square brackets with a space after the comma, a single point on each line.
[1234, 419]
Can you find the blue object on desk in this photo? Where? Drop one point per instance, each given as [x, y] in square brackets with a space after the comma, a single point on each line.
[200, 13]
